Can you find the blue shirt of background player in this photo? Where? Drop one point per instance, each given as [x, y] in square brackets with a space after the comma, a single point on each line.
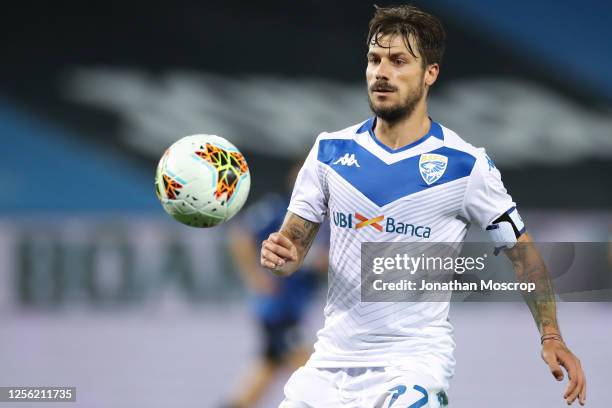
[293, 292]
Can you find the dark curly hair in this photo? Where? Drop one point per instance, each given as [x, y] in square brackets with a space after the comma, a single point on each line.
[405, 20]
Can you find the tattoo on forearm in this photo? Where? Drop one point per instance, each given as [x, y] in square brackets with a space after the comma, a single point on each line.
[530, 267]
[302, 232]
[296, 234]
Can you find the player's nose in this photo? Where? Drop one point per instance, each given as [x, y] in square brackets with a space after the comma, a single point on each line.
[381, 71]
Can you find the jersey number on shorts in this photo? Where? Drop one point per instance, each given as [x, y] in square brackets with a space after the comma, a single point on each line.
[401, 389]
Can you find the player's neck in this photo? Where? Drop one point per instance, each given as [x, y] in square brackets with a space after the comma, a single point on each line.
[404, 131]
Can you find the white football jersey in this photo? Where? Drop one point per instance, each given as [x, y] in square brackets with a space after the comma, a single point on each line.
[428, 191]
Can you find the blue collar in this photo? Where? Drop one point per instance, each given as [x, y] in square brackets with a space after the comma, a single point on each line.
[435, 130]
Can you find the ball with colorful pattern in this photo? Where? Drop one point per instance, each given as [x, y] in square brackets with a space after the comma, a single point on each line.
[202, 180]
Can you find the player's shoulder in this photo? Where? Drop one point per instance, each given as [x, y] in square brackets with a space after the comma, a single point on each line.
[476, 154]
[330, 144]
[454, 141]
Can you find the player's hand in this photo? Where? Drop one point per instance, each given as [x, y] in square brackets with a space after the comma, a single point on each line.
[556, 354]
[279, 254]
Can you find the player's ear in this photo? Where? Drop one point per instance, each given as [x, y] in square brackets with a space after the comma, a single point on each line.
[431, 74]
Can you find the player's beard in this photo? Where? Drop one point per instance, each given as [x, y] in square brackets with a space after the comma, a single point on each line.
[392, 114]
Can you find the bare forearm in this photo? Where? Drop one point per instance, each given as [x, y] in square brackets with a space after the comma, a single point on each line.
[284, 252]
[301, 232]
[530, 267]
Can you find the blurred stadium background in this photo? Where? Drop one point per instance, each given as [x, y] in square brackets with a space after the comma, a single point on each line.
[100, 290]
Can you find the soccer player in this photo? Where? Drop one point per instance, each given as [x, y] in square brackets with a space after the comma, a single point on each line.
[399, 165]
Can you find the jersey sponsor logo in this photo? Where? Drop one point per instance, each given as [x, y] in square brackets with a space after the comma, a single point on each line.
[432, 166]
[347, 160]
[380, 224]
[372, 222]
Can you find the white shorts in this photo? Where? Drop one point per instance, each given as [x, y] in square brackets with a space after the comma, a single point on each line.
[367, 387]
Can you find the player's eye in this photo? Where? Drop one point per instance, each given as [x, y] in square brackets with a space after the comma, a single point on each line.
[399, 61]
[372, 59]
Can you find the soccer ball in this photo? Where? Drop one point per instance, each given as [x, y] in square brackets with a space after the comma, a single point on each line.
[202, 180]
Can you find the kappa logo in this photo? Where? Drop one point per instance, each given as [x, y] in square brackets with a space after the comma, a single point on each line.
[432, 166]
[347, 160]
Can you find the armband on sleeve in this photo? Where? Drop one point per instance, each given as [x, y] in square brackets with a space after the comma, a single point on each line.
[506, 230]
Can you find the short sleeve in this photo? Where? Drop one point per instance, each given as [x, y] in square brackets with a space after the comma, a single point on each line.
[308, 199]
[486, 197]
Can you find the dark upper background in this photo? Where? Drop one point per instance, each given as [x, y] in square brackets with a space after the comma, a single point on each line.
[91, 94]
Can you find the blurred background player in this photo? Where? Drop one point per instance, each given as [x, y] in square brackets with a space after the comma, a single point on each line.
[278, 304]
